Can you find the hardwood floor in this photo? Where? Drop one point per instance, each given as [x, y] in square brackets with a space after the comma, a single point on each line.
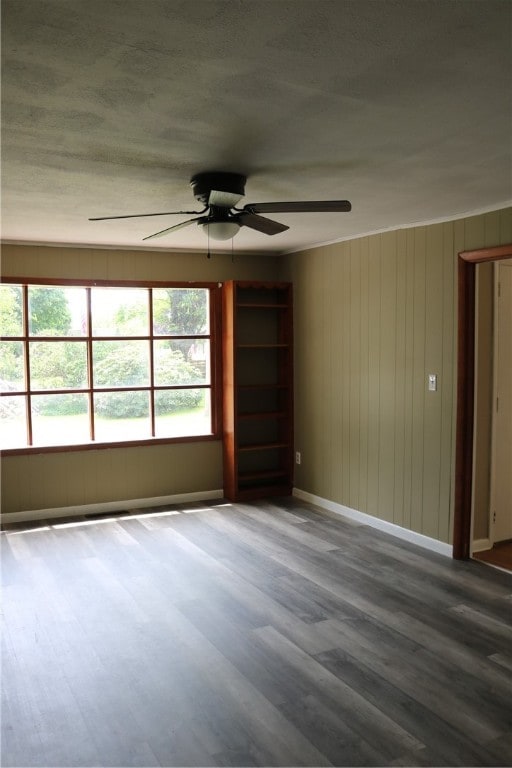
[249, 634]
[500, 555]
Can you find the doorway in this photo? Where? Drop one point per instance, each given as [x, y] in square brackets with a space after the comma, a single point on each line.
[467, 262]
[498, 549]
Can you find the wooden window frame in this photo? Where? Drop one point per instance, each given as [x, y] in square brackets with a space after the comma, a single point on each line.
[215, 385]
[467, 262]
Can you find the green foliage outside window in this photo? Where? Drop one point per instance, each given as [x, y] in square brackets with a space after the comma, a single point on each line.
[49, 312]
[62, 364]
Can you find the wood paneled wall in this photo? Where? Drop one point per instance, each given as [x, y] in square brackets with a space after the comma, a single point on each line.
[373, 317]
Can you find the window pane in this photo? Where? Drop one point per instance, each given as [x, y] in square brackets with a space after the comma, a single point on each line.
[11, 323]
[58, 365]
[13, 427]
[60, 419]
[61, 363]
[121, 416]
[12, 376]
[120, 311]
[186, 361]
[56, 311]
[182, 412]
[180, 311]
[121, 363]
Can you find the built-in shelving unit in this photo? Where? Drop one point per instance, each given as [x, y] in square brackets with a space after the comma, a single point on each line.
[258, 389]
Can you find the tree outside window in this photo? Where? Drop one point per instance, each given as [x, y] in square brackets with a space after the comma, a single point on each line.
[87, 364]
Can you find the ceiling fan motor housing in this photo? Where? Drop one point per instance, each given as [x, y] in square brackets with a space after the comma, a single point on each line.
[232, 184]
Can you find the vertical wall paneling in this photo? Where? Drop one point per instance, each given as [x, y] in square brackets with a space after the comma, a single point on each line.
[409, 379]
[316, 433]
[387, 376]
[474, 232]
[505, 227]
[492, 227]
[374, 339]
[337, 290]
[354, 375]
[350, 321]
[400, 376]
[327, 469]
[364, 396]
[447, 388]
[434, 290]
[390, 301]
[347, 371]
[419, 382]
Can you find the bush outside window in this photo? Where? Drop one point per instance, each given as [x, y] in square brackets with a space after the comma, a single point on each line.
[96, 364]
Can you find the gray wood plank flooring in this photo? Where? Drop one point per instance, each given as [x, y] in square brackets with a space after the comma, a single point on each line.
[265, 634]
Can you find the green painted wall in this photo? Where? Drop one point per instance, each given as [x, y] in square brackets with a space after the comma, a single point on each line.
[373, 317]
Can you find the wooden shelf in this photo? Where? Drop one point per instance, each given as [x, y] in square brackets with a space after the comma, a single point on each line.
[262, 346]
[258, 389]
[266, 475]
[261, 306]
[262, 446]
[248, 387]
[262, 415]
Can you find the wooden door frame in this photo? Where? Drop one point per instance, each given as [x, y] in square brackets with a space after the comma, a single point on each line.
[467, 262]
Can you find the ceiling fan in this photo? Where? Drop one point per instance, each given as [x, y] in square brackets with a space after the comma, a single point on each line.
[219, 192]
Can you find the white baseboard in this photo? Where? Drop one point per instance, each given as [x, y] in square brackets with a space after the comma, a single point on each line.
[382, 525]
[108, 506]
[480, 545]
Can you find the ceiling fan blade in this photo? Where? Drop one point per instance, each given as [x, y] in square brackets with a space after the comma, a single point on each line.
[141, 215]
[262, 224]
[170, 229]
[304, 206]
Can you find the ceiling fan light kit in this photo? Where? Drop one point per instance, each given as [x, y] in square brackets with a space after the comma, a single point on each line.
[219, 192]
[220, 230]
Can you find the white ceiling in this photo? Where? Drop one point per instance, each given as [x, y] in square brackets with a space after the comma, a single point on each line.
[110, 106]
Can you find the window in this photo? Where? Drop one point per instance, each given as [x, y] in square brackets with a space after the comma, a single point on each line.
[82, 365]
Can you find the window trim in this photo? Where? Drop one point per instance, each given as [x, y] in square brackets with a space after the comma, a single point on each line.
[215, 386]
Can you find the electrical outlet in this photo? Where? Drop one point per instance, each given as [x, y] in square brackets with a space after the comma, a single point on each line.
[297, 457]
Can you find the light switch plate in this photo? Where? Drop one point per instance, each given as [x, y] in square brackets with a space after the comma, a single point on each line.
[432, 382]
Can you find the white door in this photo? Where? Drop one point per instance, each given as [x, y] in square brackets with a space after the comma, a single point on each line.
[501, 477]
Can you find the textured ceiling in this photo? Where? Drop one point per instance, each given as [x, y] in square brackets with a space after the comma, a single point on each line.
[110, 106]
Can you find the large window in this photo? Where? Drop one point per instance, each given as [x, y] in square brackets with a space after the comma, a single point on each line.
[102, 364]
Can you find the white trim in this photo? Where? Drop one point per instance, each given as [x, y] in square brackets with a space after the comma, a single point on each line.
[382, 525]
[126, 247]
[495, 361]
[476, 363]
[108, 506]
[410, 225]
[250, 252]
[480, 545]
